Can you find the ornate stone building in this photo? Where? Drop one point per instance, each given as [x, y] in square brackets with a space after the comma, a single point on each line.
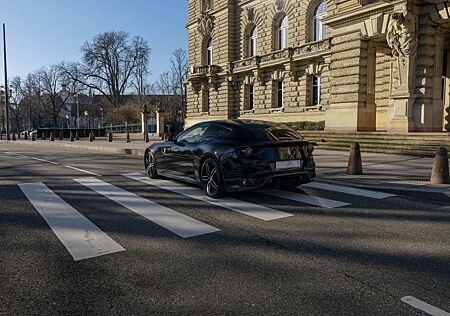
[359, 65]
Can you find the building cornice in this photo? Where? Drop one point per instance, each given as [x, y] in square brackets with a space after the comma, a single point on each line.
[361, 13]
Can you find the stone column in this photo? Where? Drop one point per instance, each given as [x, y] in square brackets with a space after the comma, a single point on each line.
[144, 120]
[348, 78]
[160, 122]
[371, 110]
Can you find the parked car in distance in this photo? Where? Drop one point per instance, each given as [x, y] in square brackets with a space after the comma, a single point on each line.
[28, 132]
[234, 155]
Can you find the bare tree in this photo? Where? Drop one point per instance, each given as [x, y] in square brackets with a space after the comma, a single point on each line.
[179, 71]
[15, 98]
[51, 80]
[110, 60]
[172, 84]
[33, 103]
[166, 84]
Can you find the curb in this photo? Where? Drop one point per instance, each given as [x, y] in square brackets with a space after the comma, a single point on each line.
[125, 151]
[424, 193]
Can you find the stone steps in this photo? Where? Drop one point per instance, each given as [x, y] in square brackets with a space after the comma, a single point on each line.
[406, 144]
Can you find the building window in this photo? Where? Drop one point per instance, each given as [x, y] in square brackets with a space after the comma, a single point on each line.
[320, 30]
[253, 43]
[250, 93]
[209, 52]
[316, 87]
[205, 103]
[283, 33]
[279, 94]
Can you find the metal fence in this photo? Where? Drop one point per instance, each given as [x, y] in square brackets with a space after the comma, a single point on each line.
[131, 128]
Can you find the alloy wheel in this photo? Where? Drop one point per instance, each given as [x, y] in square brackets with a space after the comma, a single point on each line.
[210, 177]
[150, 165]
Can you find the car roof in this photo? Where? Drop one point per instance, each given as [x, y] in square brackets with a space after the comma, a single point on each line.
[244, 123]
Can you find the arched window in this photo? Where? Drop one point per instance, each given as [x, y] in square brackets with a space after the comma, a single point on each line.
[253, 43]
[209, 52]
[320, 30]
[283, 33]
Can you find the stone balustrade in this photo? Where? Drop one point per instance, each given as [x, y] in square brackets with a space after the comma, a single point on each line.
[290, 54]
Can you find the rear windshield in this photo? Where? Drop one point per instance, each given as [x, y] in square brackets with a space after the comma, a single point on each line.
[270, 133]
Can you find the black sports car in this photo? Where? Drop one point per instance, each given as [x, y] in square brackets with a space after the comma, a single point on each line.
[234, 155]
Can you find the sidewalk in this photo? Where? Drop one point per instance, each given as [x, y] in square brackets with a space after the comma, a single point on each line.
[403, 175]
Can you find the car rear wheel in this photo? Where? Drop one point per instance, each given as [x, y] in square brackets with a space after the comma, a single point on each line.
[150, 165]
[211, 179]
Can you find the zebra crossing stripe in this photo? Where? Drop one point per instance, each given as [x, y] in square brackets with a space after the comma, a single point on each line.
[250, 209]
[424, 306]
[180, 224]
[348, 190]
[307, 199]
[79, 235]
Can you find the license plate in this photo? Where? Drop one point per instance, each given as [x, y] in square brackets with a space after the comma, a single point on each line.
[288, 164]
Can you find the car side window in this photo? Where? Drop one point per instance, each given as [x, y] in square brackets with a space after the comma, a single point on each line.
[192, 135]
[215, 131]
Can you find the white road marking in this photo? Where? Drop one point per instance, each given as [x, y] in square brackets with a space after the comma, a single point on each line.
[348, 190]
[43, 160]
[85, 171]
[34, 158]
[423, 306]
[308, 199]
[79, 235]
[180, 224]
[243, 207]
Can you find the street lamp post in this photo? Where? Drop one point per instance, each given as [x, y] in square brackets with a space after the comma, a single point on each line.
[86, 115]
[6, 85]
[67, 118]
[78, 110]
[101, 116]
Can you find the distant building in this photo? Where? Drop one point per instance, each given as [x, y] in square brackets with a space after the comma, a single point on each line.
[358, 65]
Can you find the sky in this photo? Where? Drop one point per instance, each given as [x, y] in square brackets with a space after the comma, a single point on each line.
[44, 32]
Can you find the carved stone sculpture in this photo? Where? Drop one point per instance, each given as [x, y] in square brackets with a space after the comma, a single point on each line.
[401, 37]
[251, 14]
[205, 24]
[402, 34]
[279, 4]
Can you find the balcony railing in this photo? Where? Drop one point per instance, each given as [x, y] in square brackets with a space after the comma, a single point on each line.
[205, 70]
[301, 52]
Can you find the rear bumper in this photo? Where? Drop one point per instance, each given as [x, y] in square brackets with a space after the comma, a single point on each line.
[270, 182]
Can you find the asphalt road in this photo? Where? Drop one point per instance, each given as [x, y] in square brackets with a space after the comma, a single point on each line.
[360, 258]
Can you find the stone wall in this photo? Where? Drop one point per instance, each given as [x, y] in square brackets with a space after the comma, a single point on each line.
[382, 89]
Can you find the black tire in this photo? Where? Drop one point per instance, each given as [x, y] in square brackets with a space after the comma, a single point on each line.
[150, 165]
[211, 179]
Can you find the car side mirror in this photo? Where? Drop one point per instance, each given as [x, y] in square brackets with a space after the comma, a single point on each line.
[171, 138]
